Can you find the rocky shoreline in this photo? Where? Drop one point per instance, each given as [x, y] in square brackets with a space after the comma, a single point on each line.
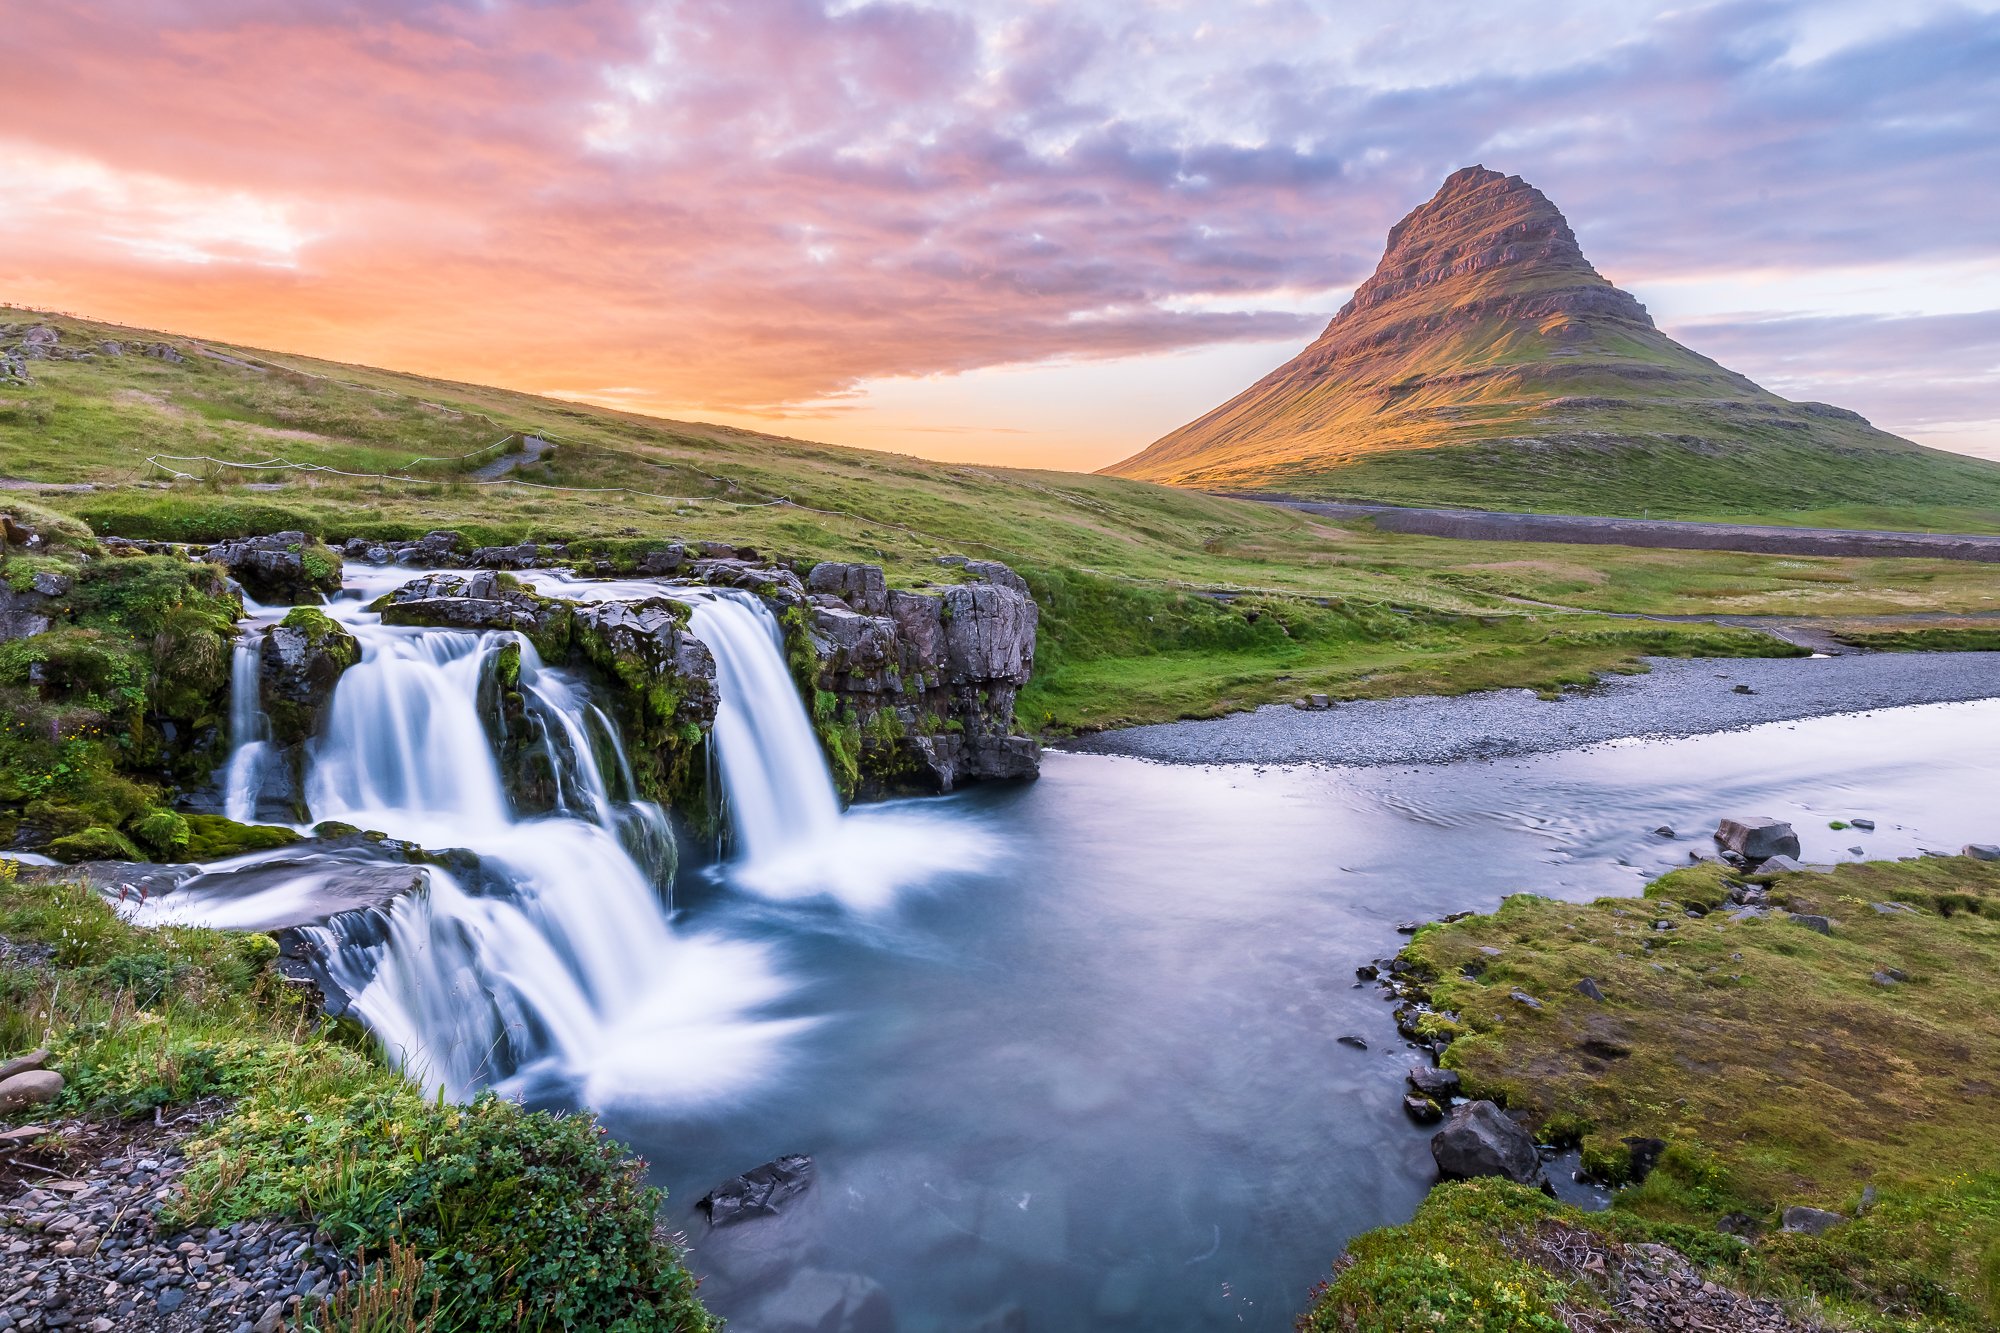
[1677, 697]
[1736, 1053]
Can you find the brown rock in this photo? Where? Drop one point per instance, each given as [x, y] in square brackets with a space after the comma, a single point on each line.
[37, 1087]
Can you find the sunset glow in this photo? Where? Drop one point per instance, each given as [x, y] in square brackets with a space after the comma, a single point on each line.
[1019, 232]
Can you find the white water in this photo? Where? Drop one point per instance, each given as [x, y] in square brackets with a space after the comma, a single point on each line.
[792, 841]
[556, 961]
[249, 730]
[554, 964]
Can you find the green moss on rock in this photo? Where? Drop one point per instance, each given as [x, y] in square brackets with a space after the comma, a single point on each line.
[96, 843]
[211, 837]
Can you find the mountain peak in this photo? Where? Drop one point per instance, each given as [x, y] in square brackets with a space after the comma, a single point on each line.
[1481, 233]
[1486, 354]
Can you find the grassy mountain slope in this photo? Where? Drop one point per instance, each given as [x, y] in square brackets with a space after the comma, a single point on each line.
[1157, 602]
[1487, 364]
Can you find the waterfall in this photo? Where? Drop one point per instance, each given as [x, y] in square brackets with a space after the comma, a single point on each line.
[781, 796]
[249, 730]
[546, 959]
[792, 839]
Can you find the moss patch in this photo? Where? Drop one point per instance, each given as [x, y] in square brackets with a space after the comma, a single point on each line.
[1780, 1065]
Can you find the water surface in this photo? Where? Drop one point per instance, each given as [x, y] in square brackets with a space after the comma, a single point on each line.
[1090, 1078]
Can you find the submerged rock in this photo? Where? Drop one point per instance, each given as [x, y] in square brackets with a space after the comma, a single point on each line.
[758, 1192]
[1479, 1139]
[816, 1301]
[1757, 837]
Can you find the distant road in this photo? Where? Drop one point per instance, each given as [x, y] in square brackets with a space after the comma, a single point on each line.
[1493, 526]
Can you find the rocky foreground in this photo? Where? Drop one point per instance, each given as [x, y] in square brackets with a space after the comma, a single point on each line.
[85, 1246]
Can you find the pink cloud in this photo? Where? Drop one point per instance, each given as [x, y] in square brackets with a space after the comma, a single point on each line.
[746, 205]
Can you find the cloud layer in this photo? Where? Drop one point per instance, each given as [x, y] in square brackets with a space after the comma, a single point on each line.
[759, 205]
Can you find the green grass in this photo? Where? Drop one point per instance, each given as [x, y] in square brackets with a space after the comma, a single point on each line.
[1766, 480]
[1927, 639]
[1771, 1061]
[1102, 554]
[497, 1217]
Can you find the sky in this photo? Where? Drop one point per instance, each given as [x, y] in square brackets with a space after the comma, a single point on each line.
[1039, 232]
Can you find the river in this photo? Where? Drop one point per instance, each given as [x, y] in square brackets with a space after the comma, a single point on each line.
[1065, 1053]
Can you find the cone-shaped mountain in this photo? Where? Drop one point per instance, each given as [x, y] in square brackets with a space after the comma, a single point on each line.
[1486, 363]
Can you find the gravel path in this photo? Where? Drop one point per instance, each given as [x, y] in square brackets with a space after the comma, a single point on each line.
[1677, 698]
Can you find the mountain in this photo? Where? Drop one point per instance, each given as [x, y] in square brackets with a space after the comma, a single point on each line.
[1486, 363]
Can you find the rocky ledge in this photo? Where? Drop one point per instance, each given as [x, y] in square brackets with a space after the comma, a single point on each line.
[910, 691]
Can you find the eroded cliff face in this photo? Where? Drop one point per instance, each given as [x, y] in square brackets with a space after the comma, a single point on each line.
[924, 681]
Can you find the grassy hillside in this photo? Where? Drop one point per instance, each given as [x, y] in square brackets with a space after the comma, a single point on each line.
[1157, 602]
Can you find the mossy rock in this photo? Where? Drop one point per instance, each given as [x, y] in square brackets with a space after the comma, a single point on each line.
[211, 837]
[303, 658]
[95, 843]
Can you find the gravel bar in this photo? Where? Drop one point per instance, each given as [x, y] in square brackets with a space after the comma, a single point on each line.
[1678, 697]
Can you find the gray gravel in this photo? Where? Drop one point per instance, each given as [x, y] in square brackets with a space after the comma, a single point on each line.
[1679, 697]
[82, 1246]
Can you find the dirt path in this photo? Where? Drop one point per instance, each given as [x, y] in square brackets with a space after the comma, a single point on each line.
[1494, 526]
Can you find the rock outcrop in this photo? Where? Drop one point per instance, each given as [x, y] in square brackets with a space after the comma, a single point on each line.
[299, 665]
[478, 601]
[925, 680]
[285, 568]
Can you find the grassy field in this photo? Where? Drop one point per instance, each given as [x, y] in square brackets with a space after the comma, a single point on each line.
[1852, 1071]
[1157, 602]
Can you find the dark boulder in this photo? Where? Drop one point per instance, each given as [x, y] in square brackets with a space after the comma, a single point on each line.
[1757, 837]
[299, 665]
[285, 568]
[1981, 851]
[1641, 1156]
[1431, 1082]
[1422, 1110]
[1590, 990]
[1479, 1139]
[759, 1192]
[1811, 1221]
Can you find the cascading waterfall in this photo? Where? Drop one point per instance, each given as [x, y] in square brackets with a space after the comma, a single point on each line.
[553, 962]
[545, 961]
[249, 730]
[792, 839]
[781, 796]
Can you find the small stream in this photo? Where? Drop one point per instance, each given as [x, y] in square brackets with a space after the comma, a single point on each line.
[1065, 1052]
